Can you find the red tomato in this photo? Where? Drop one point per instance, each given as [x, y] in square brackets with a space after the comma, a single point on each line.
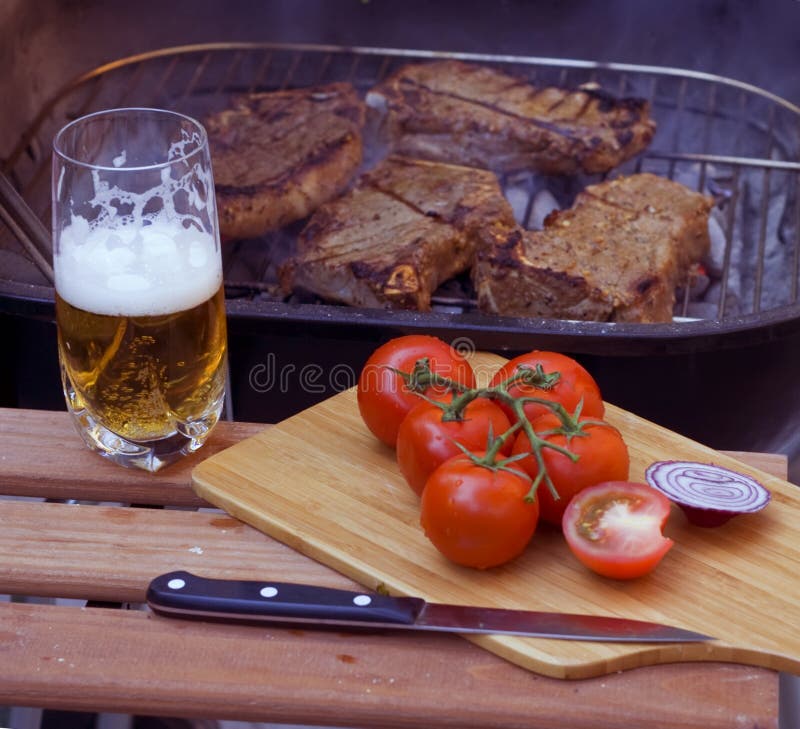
[602, 456]
[614, 528]
[383, 397]
[476, 516]
[424, 442]
[574, 384]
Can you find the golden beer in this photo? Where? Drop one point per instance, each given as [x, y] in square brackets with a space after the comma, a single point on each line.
[143, 377]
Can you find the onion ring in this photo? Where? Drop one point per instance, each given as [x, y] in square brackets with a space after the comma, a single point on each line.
[709, 494]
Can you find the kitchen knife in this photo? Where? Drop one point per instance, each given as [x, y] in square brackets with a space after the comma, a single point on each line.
[184, 595]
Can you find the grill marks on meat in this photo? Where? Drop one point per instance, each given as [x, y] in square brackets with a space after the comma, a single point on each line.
[407, 226]
[277, 156]
[477, 116]
[616, 255]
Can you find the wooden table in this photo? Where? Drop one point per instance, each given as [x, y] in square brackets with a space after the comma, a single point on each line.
[104, 658]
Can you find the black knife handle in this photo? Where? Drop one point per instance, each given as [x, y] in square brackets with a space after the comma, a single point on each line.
[183, 594]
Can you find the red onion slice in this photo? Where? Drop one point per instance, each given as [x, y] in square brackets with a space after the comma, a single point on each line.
[709, 494]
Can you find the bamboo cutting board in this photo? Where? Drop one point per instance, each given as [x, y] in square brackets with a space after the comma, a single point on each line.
[321, 483]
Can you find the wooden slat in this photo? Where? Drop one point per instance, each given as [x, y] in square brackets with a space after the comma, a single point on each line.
[135, 662]
[63, 468]
[44, 456]
[111, 553]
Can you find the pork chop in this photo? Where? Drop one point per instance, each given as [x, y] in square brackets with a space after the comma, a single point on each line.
[278, 155]
[407, 226]
[478, 116]
[616, 255]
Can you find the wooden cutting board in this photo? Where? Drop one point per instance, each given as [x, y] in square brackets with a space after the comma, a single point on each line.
[321, 483]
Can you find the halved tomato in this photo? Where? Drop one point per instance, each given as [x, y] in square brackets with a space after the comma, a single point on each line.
[614, 528]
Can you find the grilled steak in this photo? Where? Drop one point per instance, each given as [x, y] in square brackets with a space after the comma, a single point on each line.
[277, 156]
[407, 226]
[616, 255]
[474, 115]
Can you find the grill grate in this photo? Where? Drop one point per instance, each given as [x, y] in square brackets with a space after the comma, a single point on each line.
[733, 140]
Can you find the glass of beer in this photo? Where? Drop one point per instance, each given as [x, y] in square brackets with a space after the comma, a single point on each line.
[140, 304]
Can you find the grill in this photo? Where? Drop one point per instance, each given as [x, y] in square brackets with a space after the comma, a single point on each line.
[730, 139]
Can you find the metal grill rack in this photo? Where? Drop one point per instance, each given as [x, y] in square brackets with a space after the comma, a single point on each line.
[735, 141]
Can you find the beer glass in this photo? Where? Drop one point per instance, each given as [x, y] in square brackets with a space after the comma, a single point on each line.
[140, 305]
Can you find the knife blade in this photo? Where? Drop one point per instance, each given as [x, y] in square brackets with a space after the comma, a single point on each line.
[184, 595]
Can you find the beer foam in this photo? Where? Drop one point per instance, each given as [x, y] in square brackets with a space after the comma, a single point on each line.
[158, 267]
[142, 253]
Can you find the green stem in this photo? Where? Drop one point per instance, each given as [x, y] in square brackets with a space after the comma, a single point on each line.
[536, 444]
[455, 410]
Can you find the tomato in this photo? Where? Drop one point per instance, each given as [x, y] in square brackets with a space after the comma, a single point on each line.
[477, 516]
[424, 441]
[384, 399]
[574, 384]
[602, 456]
[614, 528]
